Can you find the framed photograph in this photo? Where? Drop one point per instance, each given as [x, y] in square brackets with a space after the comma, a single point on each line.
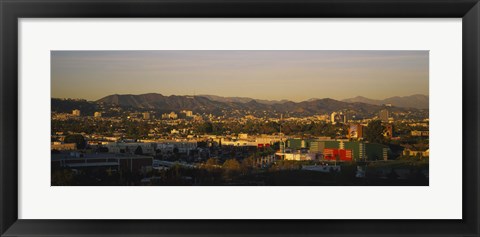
[253, 118]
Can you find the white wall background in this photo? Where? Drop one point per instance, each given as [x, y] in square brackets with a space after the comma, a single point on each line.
[441, 200]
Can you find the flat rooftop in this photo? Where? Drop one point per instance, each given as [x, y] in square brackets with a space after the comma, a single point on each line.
[69, 156]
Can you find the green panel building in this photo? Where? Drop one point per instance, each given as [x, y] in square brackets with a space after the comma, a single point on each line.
[297, 143]
[375, 151]
[360, 150]
[332, 144]
[317, 146]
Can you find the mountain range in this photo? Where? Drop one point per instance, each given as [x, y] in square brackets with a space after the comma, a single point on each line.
[242, 99]
[414, 101]
[218, 104]
[417, 101]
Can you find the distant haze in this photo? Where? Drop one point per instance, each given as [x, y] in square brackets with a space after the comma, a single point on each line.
[268, 75]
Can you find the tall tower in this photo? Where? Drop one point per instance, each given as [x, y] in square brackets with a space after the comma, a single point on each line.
[383, 115]
[146, 115]
[332, 117]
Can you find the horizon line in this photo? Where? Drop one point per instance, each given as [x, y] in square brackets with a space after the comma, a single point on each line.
[244, 97]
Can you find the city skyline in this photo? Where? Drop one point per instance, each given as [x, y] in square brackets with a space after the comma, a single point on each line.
[266, 75]
[128, 118]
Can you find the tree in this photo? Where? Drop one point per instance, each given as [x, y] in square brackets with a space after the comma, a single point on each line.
[62, 177]
[268, 151]
[77, 139]
[374, 132]
[231, 164]
[231, 167]
[206, 128]
[247, 164]
[211, 164]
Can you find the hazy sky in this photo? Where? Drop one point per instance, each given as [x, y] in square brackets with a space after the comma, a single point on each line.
[273, 75]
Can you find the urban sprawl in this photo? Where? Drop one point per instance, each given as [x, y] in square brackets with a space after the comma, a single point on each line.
[111, 144]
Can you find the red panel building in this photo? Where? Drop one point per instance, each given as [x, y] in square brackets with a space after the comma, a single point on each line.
[342, 154]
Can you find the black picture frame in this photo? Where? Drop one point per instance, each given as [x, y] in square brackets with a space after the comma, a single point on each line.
[11, 11]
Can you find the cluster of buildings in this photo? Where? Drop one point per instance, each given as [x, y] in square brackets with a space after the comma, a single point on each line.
[331, 149]
[171, 115]
[60, 146]
[181, 140]
[127, 156]
[143, 115]
[244, 139]
[338, 117]
[76, 112]
[417, 133]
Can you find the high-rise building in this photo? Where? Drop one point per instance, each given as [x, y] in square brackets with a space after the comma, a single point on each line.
[338, 117]
[76, 112]
[146, 115]
[343, 117]
[97, 114]
[173, 115]
[383, 115]
[188, 113]
[333, 117]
